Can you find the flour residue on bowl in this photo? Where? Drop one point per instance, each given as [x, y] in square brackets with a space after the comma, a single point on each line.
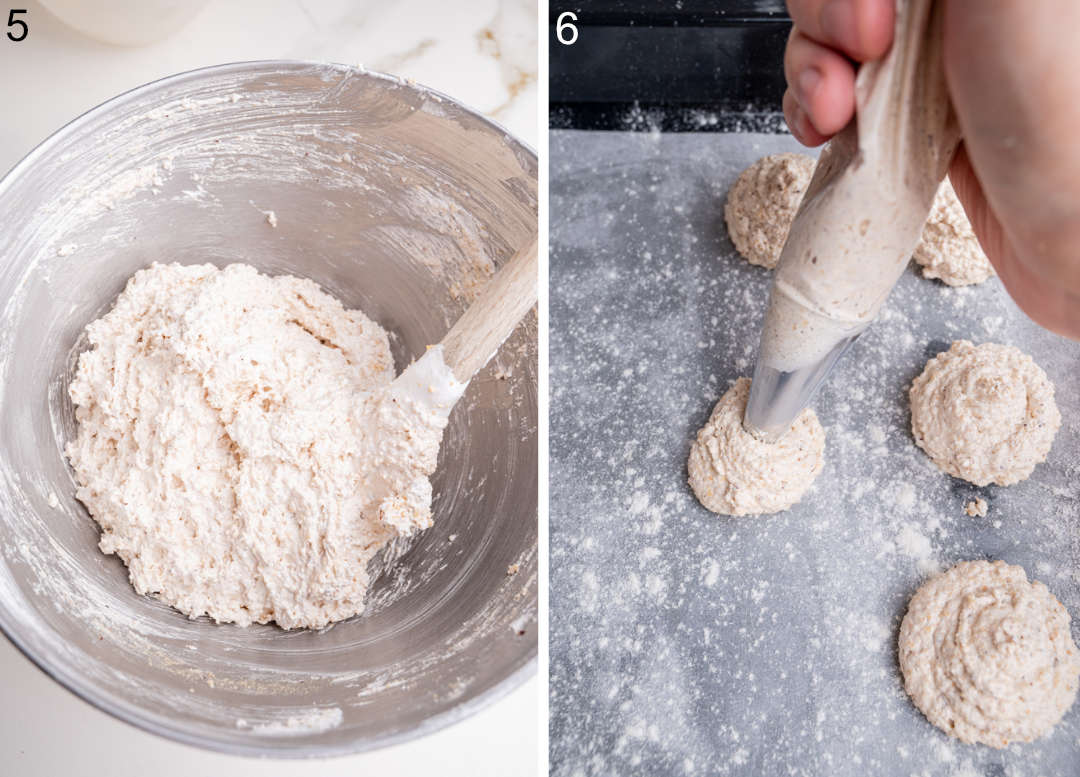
[312, 721]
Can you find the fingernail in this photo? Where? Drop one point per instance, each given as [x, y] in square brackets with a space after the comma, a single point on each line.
[797, 125]
[808, 84]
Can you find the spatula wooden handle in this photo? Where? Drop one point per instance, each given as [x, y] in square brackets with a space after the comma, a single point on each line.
[508, 296]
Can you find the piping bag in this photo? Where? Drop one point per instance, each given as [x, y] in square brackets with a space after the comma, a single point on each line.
[859, 221]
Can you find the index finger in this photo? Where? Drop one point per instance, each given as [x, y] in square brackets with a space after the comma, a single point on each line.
[860, 29]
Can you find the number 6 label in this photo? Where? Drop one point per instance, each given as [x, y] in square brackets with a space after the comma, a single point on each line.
[565, 31]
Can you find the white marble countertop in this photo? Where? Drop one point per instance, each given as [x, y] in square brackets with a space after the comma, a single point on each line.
[481, 52]
[484, 54]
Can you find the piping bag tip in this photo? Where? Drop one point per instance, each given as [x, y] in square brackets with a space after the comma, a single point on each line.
[859, 221]
[777, 397]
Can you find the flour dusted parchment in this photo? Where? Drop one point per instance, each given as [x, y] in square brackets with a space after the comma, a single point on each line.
[756, 646]
[948, 248]
[734, 473]
[988, 656]
[240, 445]
[761, 205]
[984, 413]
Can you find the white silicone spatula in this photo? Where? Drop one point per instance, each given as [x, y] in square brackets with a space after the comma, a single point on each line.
[446, 368]
[412, 412]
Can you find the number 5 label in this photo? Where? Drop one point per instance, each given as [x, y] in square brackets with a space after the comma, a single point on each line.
[17, 24]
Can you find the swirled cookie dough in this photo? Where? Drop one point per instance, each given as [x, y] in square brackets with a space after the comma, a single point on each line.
[948, 248]
[734, 473]
[988, 656]
[761, 205]
[235, 443]
[984, 413]
[764, 199]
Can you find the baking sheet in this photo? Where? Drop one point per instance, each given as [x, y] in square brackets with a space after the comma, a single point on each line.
[683, 643]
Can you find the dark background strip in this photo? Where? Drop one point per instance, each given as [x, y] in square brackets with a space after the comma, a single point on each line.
[690, 66]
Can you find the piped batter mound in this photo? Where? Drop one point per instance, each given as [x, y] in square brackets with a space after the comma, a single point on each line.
[734, 473]
[761, 205]
[948, 248]
[988, 656]
[984, 413]
[242, 448]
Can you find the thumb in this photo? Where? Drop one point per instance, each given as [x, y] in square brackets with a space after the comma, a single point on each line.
[1049, 305]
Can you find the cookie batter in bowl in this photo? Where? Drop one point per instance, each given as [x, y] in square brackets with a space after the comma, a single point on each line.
[395, 201]
[230, 445]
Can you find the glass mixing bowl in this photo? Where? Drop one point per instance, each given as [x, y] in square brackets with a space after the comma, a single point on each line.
[398, 201]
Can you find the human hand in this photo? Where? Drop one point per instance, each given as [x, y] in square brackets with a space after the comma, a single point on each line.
[1010, 74]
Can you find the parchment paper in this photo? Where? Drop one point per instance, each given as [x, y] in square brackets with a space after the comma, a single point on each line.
[683, 643]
